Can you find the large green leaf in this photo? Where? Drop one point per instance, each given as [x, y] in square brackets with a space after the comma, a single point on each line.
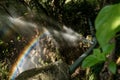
[106, 24]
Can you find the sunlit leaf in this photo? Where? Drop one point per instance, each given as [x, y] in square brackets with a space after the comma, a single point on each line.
[18, 37]
[107, 24]
[1, 42]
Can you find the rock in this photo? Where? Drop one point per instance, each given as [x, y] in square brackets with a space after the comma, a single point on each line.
[54, 71]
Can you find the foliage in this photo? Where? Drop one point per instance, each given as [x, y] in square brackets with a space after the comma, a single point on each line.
[94, 58]
[107, 24]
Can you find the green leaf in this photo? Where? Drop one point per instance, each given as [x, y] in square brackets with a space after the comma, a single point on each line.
[93, 59]
[112, 67]
[100, 56]
[96, 51]
[108, 48]
[107, 24]
[89, 61]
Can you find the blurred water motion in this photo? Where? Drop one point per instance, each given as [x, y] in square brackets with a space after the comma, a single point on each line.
[35, 50]
[38, 31]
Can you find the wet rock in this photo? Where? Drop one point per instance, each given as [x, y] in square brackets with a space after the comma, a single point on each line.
[54, 71]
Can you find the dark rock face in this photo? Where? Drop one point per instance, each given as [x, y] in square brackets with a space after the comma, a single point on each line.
[54, 71]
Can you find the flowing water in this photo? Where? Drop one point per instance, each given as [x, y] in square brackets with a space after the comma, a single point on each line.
[30, 57]
[33, 52]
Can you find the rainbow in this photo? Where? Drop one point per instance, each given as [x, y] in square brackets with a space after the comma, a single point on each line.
[15, 71]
